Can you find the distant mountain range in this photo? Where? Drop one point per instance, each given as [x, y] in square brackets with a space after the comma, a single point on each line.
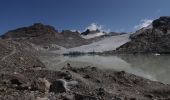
[152, 39]
[97, 33]
[47, 37]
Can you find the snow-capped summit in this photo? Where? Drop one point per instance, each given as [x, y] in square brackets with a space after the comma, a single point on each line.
[88, 34]
[94, 30]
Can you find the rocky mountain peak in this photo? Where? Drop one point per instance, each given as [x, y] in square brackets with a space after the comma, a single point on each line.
[36, 30]
[88, 31]
[150, 40]
[40, 26]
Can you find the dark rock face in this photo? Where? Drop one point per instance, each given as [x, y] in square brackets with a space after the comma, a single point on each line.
[87, 32]
[152, 40]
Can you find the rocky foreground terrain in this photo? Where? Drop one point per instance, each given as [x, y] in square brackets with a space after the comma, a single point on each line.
[24, 77]
[88, 83]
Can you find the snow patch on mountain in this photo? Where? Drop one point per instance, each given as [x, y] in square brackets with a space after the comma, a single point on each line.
[144, 23]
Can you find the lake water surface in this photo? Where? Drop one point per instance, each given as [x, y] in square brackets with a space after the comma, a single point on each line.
[153, 67]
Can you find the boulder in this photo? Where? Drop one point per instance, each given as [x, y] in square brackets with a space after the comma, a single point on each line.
[58, 86]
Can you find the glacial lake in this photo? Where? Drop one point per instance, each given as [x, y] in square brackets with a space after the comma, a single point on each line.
[152, 67]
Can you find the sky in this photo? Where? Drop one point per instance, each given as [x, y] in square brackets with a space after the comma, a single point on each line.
[108, 15]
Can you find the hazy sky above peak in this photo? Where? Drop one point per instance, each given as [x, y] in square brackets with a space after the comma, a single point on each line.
[110, 15]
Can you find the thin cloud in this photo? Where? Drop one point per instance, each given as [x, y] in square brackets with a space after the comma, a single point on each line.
[144, 23]
[94, 26]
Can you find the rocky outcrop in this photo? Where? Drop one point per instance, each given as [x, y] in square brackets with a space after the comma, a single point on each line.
[150, 40]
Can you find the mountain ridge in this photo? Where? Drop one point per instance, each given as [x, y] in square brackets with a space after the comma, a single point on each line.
[151, 40]
[43, 35]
